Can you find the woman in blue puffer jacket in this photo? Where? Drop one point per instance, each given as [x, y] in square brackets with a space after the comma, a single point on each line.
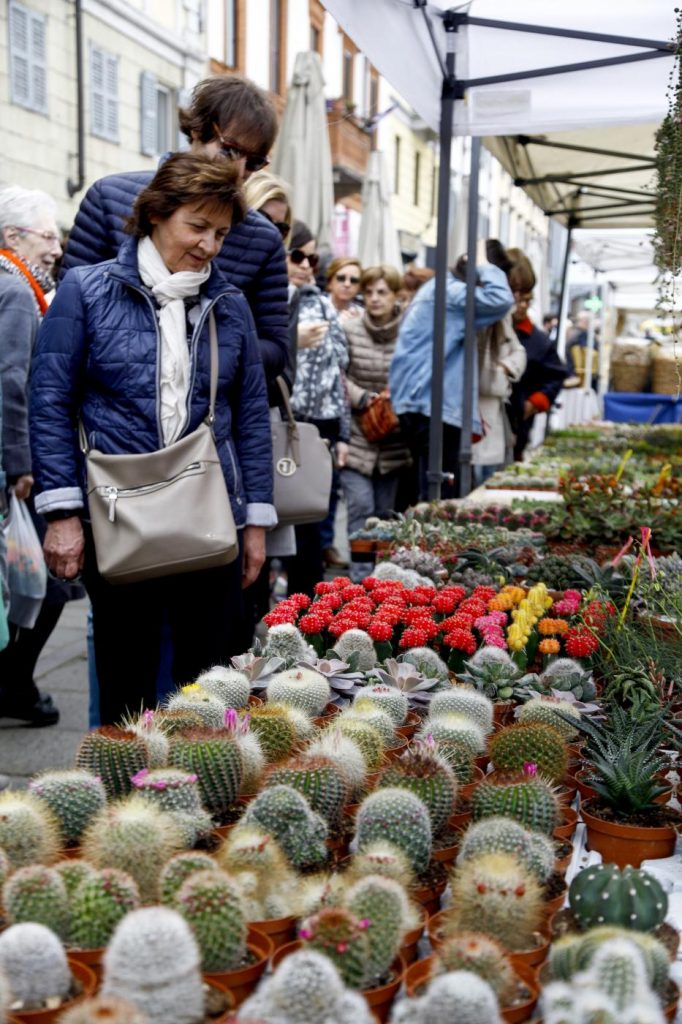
[125, 350]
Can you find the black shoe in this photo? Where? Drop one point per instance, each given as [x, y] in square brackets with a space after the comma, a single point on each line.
[41, 713]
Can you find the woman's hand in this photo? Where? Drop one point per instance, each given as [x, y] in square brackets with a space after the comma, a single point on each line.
[254, 554]
[64, 547]
[341, 454]
[311, 333]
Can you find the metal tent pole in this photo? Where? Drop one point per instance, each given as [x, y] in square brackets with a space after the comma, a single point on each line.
[563, 295]
[587, 385]
[470, 347]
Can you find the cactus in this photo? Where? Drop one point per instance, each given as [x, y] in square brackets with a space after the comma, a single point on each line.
[381, 858]
[496, 895]
[104, 1010]
[383, 904]
[631, 898]
[72, 872]
[34, 961]
[549, 711]
[460, 758]
[253, 762]
[178, 869]
[388, 698]
[367, 711]
[74, 797]
[256, 861]
[305, 989]
[5, 997]
[216, 760]
[319, 780]
[458, 997]
[504, 835]
[365, 736]
[177, 793]
[232, 688]
[303, 688]
[287, 816]
[573, 953]
[344, 752]
[303, 725]
[275, 731]
[342, 937]
[481, 955]
[286, 642]
[516, 745]
[153, 960]
[429, 777]
[356, 641]
[113, 755]
[462, 700]
[457, 729]
[493, 672]
[396, 816]
[529, 800]
[97, 906]
[566, 674]
[5, 867]
[147, 727]
[618, 970]
[194, 698]
[426, 661]
[210, 903]
[29, 831]
[136, 837]
[171, 723]
[37, 893]
[587, 1004]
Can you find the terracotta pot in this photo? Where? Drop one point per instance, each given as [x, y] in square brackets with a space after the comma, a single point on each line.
[412, 723]
[284, 951]
[429, 896]
[562, 866]
[255, 701]
[670, 1010]
[433, 928]
[86, 978]
[556, 903]
[92, 958]
[221, 832]
[279, 930]
[567, 828]
[503, 712]
[566, 792]
[242, 981]
[460, 819]
[408, 950]
[482, 762]
[363, 546]
[534, 956]
[225, 1017]
[381, 999]
[399, 747]
[626, 844]
[70, 853]
[466, 791]
[447, 854]
[419, 973]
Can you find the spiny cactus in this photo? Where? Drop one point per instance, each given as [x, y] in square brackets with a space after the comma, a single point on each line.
[253, 762]
[194, 698]
[516, 745]
[365, 736]
[177, 793]
[37, 893]
[104, 1010]
[367, 711]
[429, 777]
[396, 816]
[618, 970]
[29, 831]
[549, 711]
[573, 953]
[287, 816]
[136, 837]
[232, 688]
[493, 672]
[5, 867]
[530, 801]
[275, 731]
[72, 872]
[389, 699]
[286, 642]
[483, 956]
[460, 758]
[504, 835]
[171, 723]
[178, 869]
[148, 727]
[584, 1003]
[605, 894]
[319, 780]
[494, 894]
[34, 961]
[74, 797]
[381, 858]
[383, 904]
[567, 674]
[216, 760]
[462, 700]
[456, 729]
[153, 960]
[342, 937]
[303, 688]
[113, 755]
[458, 997]
[426, 661]
[211, 904]
[5, 997]
[304, 726]
[256, 861]
[356, 641]
[97, 906]
[344, 752]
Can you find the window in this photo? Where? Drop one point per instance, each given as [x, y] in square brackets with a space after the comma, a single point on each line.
[103, 94]
[417, 176]
[396, 164]
[28, 58]
[434, 188]
[277, 52]
[231, 29]
[373, 93]
[348, 76]
[316, 11]
[503, 229]
[157, 116]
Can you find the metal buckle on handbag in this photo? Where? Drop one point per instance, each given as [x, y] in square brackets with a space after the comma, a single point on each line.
[112, 494]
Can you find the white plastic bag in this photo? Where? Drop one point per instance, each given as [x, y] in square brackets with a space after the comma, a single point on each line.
[26, 569]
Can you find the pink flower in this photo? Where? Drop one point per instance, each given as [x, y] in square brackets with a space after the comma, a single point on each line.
[341, 947]
[230, 719]
[530, 768]
[364, 923]
[148, 719]
[139, 777]
[305, 933]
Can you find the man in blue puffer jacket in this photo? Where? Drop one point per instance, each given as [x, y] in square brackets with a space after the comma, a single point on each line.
[227, 117]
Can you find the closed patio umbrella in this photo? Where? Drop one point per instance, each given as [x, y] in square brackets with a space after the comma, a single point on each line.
[378, 238]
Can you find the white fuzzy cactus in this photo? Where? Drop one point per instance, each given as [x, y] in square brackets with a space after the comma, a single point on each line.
[460, 700]
[458, 997]
[344, 753]
[33, 960]
[302, 688]
[232, 688]
[195, 698]
[356, 641]
[286, 642]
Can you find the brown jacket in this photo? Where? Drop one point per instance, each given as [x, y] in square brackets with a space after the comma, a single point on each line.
[370, 350]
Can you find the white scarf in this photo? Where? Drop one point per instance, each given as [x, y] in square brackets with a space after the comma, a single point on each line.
[169, 290]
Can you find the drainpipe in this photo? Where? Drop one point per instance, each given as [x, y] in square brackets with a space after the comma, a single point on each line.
[75, 186]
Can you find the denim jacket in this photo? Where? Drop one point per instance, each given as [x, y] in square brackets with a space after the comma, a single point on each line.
[410, 373]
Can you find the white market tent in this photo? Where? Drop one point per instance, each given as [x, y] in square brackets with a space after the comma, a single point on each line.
[489, 68]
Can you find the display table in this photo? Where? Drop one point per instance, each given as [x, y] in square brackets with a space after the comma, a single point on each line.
[573, 405]
[638, 407]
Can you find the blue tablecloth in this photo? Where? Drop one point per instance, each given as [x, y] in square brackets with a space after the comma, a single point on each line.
[634, 407]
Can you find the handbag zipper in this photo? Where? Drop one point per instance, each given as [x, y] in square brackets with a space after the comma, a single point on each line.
[112, 494]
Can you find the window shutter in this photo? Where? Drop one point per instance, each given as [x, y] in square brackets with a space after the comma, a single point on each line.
[19, 55]
[39, 62]
[96, 91]
[148, 114]
[111, 92]
[103, 94]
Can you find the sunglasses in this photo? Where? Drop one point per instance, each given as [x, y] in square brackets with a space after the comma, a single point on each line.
[281, 225]
[342, 279]
[232, 151]
[298, 256]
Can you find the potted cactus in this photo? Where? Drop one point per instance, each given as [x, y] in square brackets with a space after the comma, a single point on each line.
[455, 996]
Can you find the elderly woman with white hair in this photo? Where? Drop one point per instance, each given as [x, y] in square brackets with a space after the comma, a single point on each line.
[29, 248]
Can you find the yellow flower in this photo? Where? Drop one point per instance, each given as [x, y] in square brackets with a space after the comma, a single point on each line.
[191, 688]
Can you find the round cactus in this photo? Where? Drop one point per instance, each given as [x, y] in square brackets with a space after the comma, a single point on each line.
[573, 953]
[34, 961]
[399, 817]
[457, 729]
[481, 955]
[29, 831]
[304, 726]
[147, 726]
[275, 731]
[530, 801]
[382, 903]
[504, 835]
[253, 761]
[171, 723]
[74, 796]
[389, 699]
[344, 753]
[97, 906]
[104, 1010]
[384, 859]
[199, 701]
[365, 736]
[319, 780]
[457, 996]
[136, 837]
[619, 972]
[429, 777]
[567, 674]
[37, 893]
[177, 793]
[269, 887]
[461, 759]
[232, 688]
[286, 642]
[114, 756]
[339, 934]
[178, 869]
[303, 688]
[72, 872]
[216, 760]
[462, 700]
[369, 712]
[210, 903]
[495, 895]
[356, 641]
[605, 894]
[549, 711]
[426, 661]
[287, 816]
[517, 745]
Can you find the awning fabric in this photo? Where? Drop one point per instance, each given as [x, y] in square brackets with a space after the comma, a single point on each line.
[378, 242]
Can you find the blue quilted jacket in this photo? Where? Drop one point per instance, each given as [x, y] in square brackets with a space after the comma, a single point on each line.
[96, 358]
[252, 257]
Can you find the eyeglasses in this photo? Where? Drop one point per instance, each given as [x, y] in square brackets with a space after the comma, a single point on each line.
[298, 256]
[342, 279]
[281, 225]
[233, 151]
[47, 236]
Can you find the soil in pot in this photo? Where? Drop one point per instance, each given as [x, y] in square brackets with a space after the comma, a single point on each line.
[430, 886]
[446, 845]
[242, 980]
[648, 836]
[83, 984]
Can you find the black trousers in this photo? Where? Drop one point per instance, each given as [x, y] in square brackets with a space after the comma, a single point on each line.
[415, 427]
[19, 659]
[204, 610]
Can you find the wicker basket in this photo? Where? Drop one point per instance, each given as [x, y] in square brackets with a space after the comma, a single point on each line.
[667, 375]
[630, 365]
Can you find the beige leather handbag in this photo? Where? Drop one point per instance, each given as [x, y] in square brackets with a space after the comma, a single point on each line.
[164, 512]
[302, 468]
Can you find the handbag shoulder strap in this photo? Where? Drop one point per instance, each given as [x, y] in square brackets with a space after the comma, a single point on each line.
[292, 425]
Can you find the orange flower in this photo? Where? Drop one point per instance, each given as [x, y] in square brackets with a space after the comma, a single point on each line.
[549, 647]
[501, 603]
[550, 627]
[516, 593]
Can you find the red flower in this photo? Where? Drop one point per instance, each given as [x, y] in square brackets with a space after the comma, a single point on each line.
[461, 640]
[413, 637]
[299, 601]
[339, 626]
[342, 581]
[483, 593]
[311, 623]
[333, 601]
[279, 616]
[370, 582]
[444, 603]
[414, 616]
[354, 590]
[421, 595]
[325, 587]
[597, 613]
[580, 643]
[380, 631]
[473, 607]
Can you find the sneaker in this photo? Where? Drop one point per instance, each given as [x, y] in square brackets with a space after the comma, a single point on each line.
[333, 559]
[41, 713]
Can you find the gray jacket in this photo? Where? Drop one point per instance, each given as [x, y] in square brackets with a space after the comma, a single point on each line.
[19, 323]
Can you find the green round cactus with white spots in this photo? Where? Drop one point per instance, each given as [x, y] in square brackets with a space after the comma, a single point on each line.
[462, 700]
[549, 711]
[363, 710]
[97, 906]
[198, 701]
[287, 816]
[529, 800]
[178, 869]
[113, 755]
[232, 688]
[429, 777]
[74, 796]
[319, 780]
[387, 698]
[504, 835]
[573, 953]
[368, 739]
[396, 816]
[37, 893]
[211, 904]
[514, 746]
[605, 894]
[303, 688]
[426, 661]
[456, 729]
